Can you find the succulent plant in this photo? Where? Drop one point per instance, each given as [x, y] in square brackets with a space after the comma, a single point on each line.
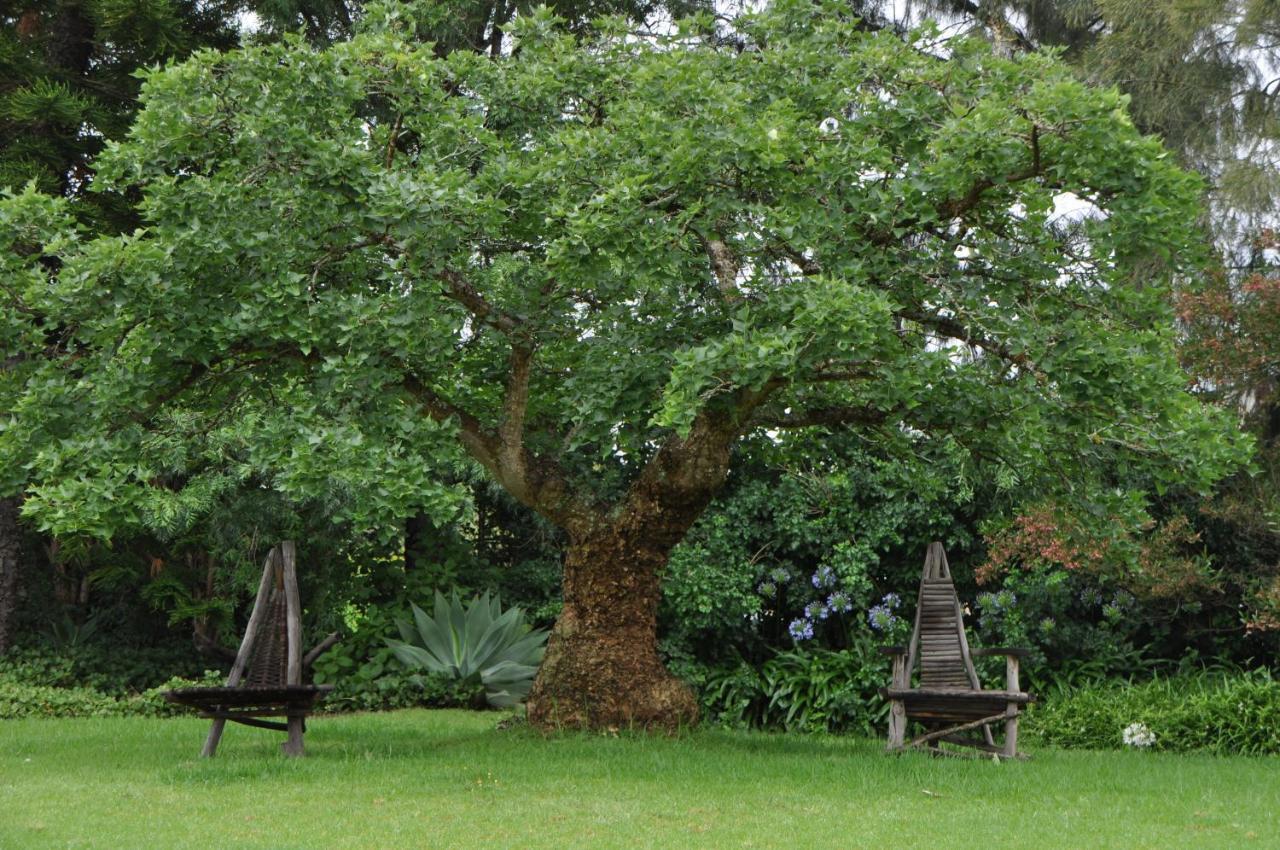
[478, 642]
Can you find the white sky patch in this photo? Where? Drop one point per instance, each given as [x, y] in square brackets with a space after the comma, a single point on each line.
[249, 23]
[1068, 207]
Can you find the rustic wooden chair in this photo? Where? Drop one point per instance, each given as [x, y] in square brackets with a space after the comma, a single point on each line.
[266, 679]
[949, 700]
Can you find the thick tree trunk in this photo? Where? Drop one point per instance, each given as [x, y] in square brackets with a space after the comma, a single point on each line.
[10, 552]
[602, 668]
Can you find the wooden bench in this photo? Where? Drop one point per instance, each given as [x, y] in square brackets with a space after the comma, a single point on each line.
[266, 679]
[948, 700]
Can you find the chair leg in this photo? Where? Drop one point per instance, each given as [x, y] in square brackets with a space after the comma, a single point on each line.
[897, 724]
[1011, 732]
[293, 746]
[215, 735]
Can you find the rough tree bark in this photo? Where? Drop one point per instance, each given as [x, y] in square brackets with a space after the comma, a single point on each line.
[10, 552]
[602, 668]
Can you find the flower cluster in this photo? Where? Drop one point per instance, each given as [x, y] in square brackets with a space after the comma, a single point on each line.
[774, 580]
[1138, 735]
[826, 581]
[881, 617]
[816, 611]
[839, 603]
[801, 629]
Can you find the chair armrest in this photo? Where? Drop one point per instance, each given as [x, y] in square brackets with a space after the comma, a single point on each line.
[1020, 652]
[892, 650]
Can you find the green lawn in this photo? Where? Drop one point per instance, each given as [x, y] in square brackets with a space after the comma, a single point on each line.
[420, 779]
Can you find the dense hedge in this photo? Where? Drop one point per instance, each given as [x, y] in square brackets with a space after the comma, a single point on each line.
[87, 682]
[1219, 712]
[24, 699]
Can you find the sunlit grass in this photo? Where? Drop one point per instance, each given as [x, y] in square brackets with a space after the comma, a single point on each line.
[438, 779]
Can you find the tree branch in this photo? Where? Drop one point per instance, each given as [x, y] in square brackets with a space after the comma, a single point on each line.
[536, 482]
[458, 289]
[726, 267]
[478, 443]
[963, 333]
[514, 407]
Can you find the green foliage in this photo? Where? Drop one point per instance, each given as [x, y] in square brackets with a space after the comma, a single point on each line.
[21, 697]
[70, 84]
[816, 543]
[476, 643]
[397, 689]
[351, 263]
[1227, 712]
[801, 690]
[111, 671]
[366, 676]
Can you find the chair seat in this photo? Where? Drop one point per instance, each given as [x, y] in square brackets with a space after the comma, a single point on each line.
[958, 705]
[300, 696]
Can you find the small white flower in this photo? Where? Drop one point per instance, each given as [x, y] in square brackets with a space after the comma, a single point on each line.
[1138, 735]
[773, 134]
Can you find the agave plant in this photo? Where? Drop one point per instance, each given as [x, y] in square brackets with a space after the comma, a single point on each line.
[476, 643]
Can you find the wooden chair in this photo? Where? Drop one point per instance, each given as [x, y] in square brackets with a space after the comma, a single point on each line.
[948, 700]
[266, 679]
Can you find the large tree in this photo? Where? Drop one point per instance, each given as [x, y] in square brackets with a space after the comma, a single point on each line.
[597, 265]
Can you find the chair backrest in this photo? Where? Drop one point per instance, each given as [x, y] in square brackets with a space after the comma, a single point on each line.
[269, 664]
[938, 641]
[270, 654]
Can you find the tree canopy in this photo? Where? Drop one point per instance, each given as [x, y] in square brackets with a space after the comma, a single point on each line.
[594, 265]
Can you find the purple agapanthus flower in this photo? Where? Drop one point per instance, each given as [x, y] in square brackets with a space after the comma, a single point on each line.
[824, 577]
[816, 611]
[801, 629]
[881, 618]
[839, 602]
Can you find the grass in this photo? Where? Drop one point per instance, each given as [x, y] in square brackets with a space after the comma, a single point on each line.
[442, 779]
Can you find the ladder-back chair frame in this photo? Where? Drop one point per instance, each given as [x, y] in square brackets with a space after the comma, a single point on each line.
[949, 700]
[266, 679]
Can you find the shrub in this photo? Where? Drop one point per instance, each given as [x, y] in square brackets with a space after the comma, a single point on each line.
[151, 702]
[1213, 711]
[801, 690]
[366, 676]
[395, 689]
[19, 698]
[110, 670]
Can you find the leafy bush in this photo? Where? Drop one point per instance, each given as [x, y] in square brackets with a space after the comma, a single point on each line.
[396, 689]
[20, 698]
[475, 644]
[1214, 711]
[113, 671]
[151, 702]
[367, 677]
[801, 690]
[791, 555]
